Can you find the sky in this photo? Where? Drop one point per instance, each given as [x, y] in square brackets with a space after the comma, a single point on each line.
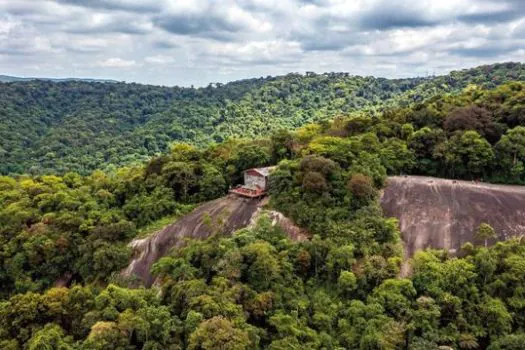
[196, 42]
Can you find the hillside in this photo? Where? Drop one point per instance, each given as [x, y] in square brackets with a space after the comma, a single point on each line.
[50, 127]
[433, 213]
[11, 79]
[65, 239]
[224, 215]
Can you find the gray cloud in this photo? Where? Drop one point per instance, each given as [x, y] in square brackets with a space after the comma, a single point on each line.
[196, 41]
[119, 26]
[199, 25]
[493, 49]
[323, 45]
[164, 44]
[135, 6]
[507, 10]
[519, 31]
[330, 40]
[390, 17]
[491, 17]
[481, 52]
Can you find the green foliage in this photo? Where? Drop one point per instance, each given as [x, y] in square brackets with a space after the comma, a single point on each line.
[485, 232]
[218, 333]
[56, 127]
[256, 289]
[73, 228]
[468, 154]
[50, 337]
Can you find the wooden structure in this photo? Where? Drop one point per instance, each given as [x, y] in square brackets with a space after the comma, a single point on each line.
[256, 182]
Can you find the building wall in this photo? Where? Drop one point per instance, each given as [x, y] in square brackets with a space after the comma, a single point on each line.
[251, 179]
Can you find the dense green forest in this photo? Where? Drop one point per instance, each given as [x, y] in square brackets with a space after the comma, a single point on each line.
[257, 289]
[55, 127]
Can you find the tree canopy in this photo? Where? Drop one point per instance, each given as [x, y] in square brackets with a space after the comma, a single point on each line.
[57, 127]
[64, 236]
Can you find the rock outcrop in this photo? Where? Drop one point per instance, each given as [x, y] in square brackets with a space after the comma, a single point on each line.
[444, 214]
[433, 213]
[224, 215]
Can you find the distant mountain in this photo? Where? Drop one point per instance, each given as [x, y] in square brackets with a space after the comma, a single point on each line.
[10, 79]
[49, 127]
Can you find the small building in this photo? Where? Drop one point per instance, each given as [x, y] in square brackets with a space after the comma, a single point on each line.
[256, 182]
[258, 177]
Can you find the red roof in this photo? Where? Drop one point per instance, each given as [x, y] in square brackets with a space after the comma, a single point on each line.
[261, 171]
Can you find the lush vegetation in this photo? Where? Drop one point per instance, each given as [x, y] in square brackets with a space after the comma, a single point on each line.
[52, 128]
[257, 289]
[75, 227]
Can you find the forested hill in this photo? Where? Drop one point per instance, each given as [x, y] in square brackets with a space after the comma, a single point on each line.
[10, 79]
[55, 127]
[255, 288]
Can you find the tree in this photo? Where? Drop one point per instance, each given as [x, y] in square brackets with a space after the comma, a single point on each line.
[324, 166]
[496, 318]
[361, 186]
[508, 342]
[339, 259]
[282, 146]
[396, 156]
[358, 125]
[468, 341]
[289, 330]
[251, 156]
[406, 131]
[396, 296]
[472, 118]
[183, 152]
[211, 184]
[347, 281]
[314, 182]
[105, 335]
[511, 151]
[384, 333]
[423, 142]
[468, 154]
[218, 333]
[337, 149]
[262, 267]
[181, 177]
[426, 318]
[50, 337]
[485, 232]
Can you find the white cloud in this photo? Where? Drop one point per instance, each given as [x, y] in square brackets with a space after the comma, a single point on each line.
[257, 52]
[116, 62]
[159, 59]
[198, 41]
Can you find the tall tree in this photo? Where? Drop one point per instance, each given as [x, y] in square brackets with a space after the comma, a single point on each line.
[485, 232]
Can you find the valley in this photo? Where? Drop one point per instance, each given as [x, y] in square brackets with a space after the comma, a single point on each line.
[56, 127]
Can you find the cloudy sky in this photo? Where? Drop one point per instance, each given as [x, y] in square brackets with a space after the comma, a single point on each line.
[185, 42]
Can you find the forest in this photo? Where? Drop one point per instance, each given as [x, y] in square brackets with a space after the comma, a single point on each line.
[51, 128]
[64, 236]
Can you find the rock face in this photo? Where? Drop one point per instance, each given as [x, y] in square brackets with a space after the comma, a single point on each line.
[432, 213]
[444, 214]
[224, 215]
